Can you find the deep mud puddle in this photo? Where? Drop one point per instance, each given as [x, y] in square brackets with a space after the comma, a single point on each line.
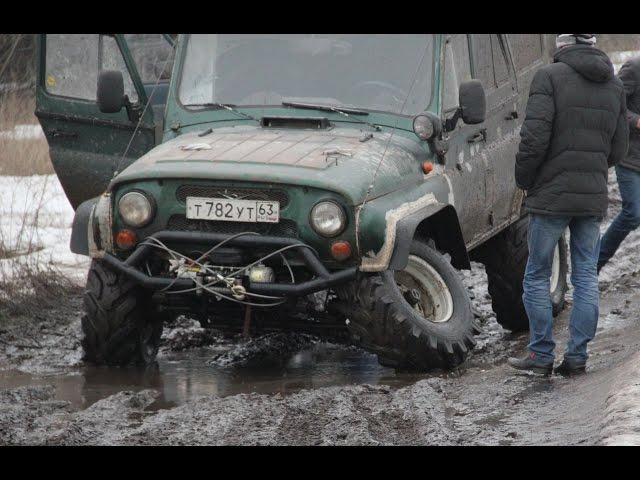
[182, 376]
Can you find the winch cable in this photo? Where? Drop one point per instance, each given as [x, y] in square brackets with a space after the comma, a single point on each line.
[288, 247]
[200, 285]
[243, 302]
[393, 131]
[215, 247]
[139, 122]
[172, 252]
[228, 278]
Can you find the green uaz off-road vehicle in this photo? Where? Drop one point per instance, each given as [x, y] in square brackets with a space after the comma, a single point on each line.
[293, 182]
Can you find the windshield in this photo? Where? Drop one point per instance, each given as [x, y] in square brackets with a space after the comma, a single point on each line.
[390, 72]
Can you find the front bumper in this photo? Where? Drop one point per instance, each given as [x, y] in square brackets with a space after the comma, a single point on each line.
[323, 278]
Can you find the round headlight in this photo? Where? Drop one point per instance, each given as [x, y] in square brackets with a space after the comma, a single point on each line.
[135, 209]
[328, 219]
[423, 127]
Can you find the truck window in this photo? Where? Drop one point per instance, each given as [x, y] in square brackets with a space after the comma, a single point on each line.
[499, 62]
[74, 60]
[457, 69]
[152, 54]
[482, 60]
[489, 62]
[394, 71]
[526, 49]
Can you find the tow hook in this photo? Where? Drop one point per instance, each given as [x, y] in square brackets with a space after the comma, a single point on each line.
[238, 291]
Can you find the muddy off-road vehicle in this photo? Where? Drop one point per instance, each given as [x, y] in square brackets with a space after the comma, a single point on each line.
[296, 182]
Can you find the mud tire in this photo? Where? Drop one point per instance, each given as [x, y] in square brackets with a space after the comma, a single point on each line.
[383, 322]
[505, 266]
[119, 326]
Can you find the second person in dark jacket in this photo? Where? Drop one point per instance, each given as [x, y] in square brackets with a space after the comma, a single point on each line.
[575, 129]
[628, 170]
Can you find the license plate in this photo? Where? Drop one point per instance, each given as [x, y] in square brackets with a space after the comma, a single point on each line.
[230, 210]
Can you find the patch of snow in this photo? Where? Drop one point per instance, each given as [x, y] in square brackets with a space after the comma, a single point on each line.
[35, 224]
[23, 132]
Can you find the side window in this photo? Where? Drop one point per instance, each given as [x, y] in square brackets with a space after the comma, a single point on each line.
[483, 60]
[74, 60]
[457, 69]
[72, 65]
[111, 59]
[153, 56]
[499, 62]
[526, 49]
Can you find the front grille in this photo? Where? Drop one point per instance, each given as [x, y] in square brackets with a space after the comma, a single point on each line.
[185, 191]
[284, 228]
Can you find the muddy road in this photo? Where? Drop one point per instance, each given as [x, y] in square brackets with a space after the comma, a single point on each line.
[299, 390]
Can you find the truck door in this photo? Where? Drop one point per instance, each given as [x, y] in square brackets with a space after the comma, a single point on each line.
[87, 146]
[464, 166]
[493, 67]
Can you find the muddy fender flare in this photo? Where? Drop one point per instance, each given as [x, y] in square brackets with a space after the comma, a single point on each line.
[438, 222]
[80, 230]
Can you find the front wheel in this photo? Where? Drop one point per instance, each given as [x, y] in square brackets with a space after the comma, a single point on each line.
[418, 318]
[119, 327]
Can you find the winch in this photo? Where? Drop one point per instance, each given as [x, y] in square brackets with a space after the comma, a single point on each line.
[261, 274]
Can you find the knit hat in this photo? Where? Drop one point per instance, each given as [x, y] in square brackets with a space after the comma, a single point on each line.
[565, 39]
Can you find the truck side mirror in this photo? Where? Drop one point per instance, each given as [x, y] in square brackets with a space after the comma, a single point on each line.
[472, 101]
[110, 93]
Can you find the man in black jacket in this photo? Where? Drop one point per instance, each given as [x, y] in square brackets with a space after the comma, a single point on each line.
[628, 171]
[574, 130]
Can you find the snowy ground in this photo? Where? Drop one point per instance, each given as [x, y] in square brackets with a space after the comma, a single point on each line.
[23, 132]
[35, 225]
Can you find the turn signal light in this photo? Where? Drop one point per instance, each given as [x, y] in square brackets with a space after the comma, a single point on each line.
[126, 239]
[341, 250]
[427, 167]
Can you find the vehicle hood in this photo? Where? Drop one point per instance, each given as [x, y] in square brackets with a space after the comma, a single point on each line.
[344, 160]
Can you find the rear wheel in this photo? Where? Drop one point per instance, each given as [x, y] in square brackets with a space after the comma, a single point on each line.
[119, 326]
[505, 264]
[419, 318]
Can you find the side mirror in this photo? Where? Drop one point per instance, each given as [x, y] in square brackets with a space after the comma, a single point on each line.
[472, 101]
[110, 93]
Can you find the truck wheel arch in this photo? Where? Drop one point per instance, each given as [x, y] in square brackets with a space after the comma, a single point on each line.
[438, 222]
[80, 229]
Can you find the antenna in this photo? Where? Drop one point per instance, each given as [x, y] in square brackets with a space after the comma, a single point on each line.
[146, 105]
[393, 131]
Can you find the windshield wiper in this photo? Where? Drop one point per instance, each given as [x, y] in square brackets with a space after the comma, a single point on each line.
[345, 112]
[226, 106]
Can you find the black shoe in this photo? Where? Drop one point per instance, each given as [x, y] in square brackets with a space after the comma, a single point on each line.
[571, 367]
[532, 364]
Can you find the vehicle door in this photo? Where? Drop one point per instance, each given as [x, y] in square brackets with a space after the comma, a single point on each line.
[87, 147]
[463, 166]
[528, 55]
[493, 67]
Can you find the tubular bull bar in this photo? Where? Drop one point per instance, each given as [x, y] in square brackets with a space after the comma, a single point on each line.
[324, 279]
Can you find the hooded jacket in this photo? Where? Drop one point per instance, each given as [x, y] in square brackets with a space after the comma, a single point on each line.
[575, 128]
[630, 76]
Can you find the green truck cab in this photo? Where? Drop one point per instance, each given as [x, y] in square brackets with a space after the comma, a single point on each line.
[342, 179]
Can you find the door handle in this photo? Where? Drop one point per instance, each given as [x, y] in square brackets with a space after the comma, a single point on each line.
[63, 134]
[481, 136]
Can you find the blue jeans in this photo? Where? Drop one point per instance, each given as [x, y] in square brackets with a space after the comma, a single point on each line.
[544, 233]
[629, 217]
